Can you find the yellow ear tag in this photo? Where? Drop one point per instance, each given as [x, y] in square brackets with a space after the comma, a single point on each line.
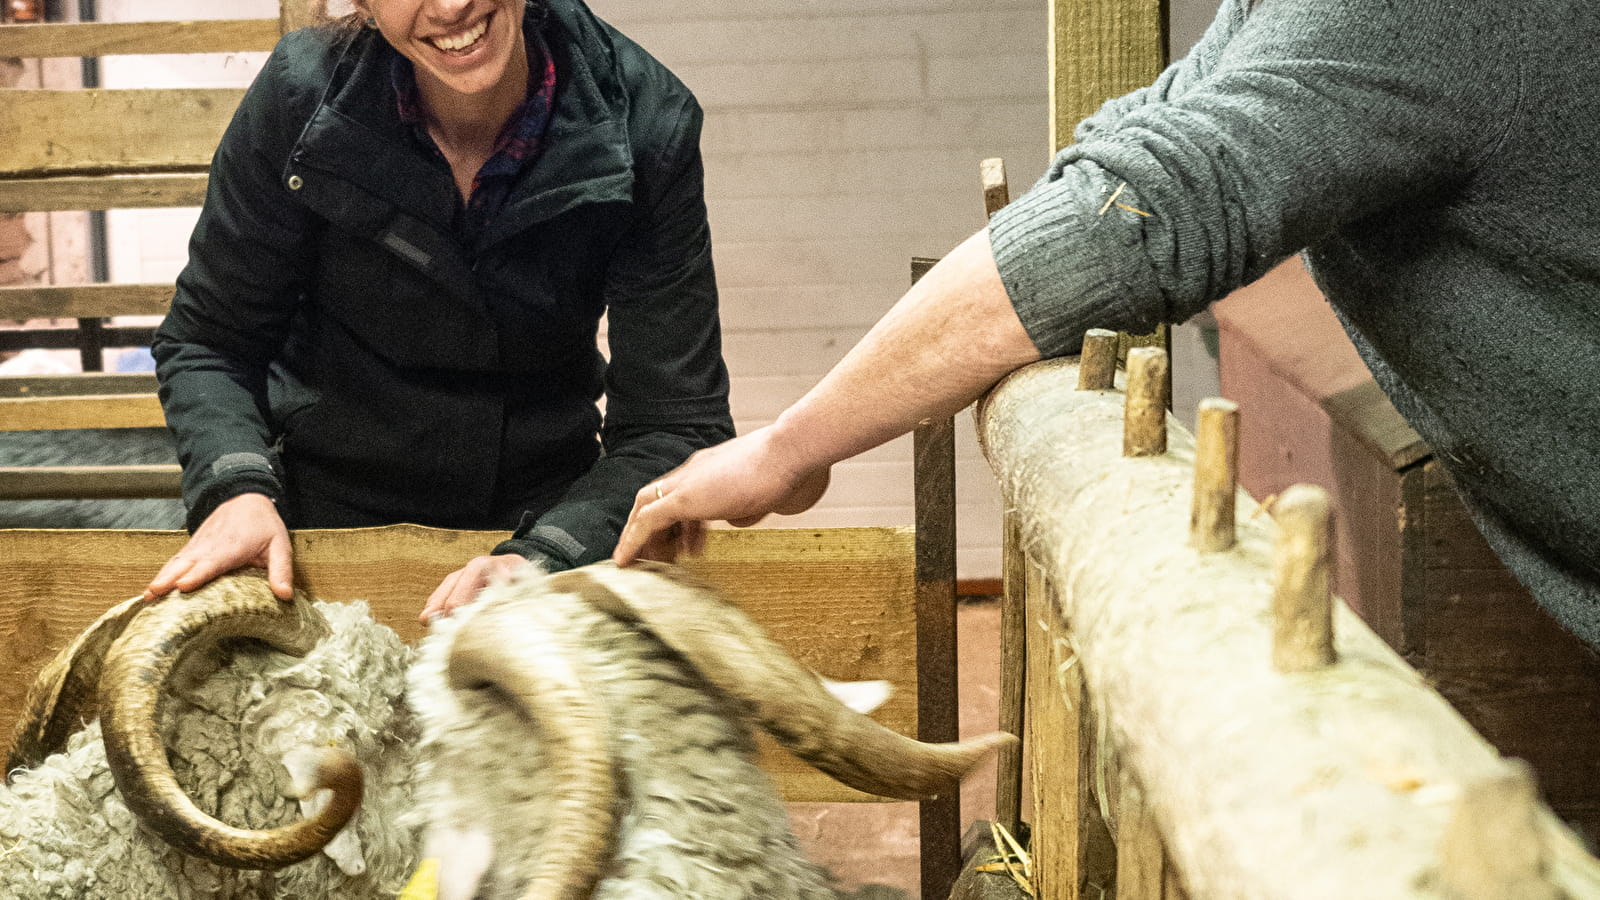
[424, 883]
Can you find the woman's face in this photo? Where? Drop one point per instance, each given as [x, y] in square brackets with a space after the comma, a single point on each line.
[465, 46]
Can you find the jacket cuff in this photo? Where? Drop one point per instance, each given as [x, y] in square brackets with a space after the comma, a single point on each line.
[546, 544]
[230, 476]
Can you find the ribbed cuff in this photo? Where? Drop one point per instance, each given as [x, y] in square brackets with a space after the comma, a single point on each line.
[1070, 260]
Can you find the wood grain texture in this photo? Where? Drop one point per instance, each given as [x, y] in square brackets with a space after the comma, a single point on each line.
[1098, 371]
[839, 599]
[1013, 676]
[1302, 595]
[115, 38]
[77, 384]
[1100, 49]
[84, 301]
[1263, 785]
[1216, 475]
[95, 411]
[100, 131]
[1144, 421]
[145, 190]
[89, 482]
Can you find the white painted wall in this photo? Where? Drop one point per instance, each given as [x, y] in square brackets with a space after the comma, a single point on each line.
[842, 138]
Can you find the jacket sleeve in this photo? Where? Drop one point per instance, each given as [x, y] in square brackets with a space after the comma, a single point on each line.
[1315, 115]
[666, 385]
[248, 258]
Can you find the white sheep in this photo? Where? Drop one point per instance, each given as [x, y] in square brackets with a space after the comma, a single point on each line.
[585, 735]
[231, 715]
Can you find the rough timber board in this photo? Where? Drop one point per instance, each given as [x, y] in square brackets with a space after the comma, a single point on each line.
[95, 131]
[74, 192]
[838, 598]
[119, 38]
[84, 301]
[95, 411]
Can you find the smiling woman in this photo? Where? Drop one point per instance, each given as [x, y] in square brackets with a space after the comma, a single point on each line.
[414, 225]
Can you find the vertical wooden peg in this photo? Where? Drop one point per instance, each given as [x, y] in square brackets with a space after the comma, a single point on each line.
[1302, 598]
[1097, 367]
[1216, 475]
[1144, 412]
[996, 192]
[1493, 848]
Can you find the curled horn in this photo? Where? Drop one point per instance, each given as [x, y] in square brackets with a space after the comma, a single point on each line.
[736, 656]
[518, 649]
[62, 697]
[132, 692]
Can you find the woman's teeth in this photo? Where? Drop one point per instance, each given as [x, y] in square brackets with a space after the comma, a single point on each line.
[463, 40]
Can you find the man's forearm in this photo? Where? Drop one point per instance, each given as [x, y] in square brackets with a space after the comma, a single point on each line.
[950, 338]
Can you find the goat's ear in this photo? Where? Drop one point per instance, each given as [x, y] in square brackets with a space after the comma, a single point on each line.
[462, 856]
[861, 696]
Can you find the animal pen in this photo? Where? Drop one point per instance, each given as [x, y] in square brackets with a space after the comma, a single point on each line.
[1204, 719]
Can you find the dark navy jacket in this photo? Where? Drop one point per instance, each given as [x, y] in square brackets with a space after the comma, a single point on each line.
[334, 346]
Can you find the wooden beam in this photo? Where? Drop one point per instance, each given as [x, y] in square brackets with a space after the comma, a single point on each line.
[148, 190]
[1263, 784]
[77, 384]
[1100, 49]
[96, 131]
[84, 301]
[89, 482]
[124, 38]
[98, 411]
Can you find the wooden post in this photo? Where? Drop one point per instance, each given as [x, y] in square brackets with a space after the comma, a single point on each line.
[934, 474]
[1492, 848]
[996, 191]
[1097, 367]
[1216, 475]
[1302, 598]
[1144, 424]
[1013, 674]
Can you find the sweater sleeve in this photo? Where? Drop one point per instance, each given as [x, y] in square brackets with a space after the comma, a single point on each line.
[666, 385]
[1315, 115]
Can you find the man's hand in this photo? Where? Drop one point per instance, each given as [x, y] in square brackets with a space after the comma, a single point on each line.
[741, 481]
[462, 586]
[243, 531]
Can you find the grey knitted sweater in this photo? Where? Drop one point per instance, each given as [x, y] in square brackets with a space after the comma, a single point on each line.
[1434, 160]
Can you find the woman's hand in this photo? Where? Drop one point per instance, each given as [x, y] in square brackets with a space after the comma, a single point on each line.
[741, 481]
[462, 586]
[243, 531]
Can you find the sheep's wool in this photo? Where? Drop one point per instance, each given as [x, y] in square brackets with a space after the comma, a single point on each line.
[65, 833]
[698, 817]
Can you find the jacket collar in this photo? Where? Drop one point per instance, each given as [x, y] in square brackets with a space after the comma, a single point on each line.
[356, 135]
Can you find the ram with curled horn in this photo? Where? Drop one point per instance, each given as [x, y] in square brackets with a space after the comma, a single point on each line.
[584, 734]
[203, 701]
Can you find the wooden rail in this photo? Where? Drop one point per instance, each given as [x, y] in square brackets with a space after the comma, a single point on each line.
[1232, 754]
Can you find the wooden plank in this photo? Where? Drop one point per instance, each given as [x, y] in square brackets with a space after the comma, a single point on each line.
[84, 301]
[1100, 49]
[1013, 675]
[838, 599]
[130, 191]
[1141, 857]
[934, 448]
[77, 384]
[121, 38]
[98, 131]
[89, 482]
[101, 411]
[1067, 843]
[1366, 413]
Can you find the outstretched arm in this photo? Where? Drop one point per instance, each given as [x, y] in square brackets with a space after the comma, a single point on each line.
[951, 337]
